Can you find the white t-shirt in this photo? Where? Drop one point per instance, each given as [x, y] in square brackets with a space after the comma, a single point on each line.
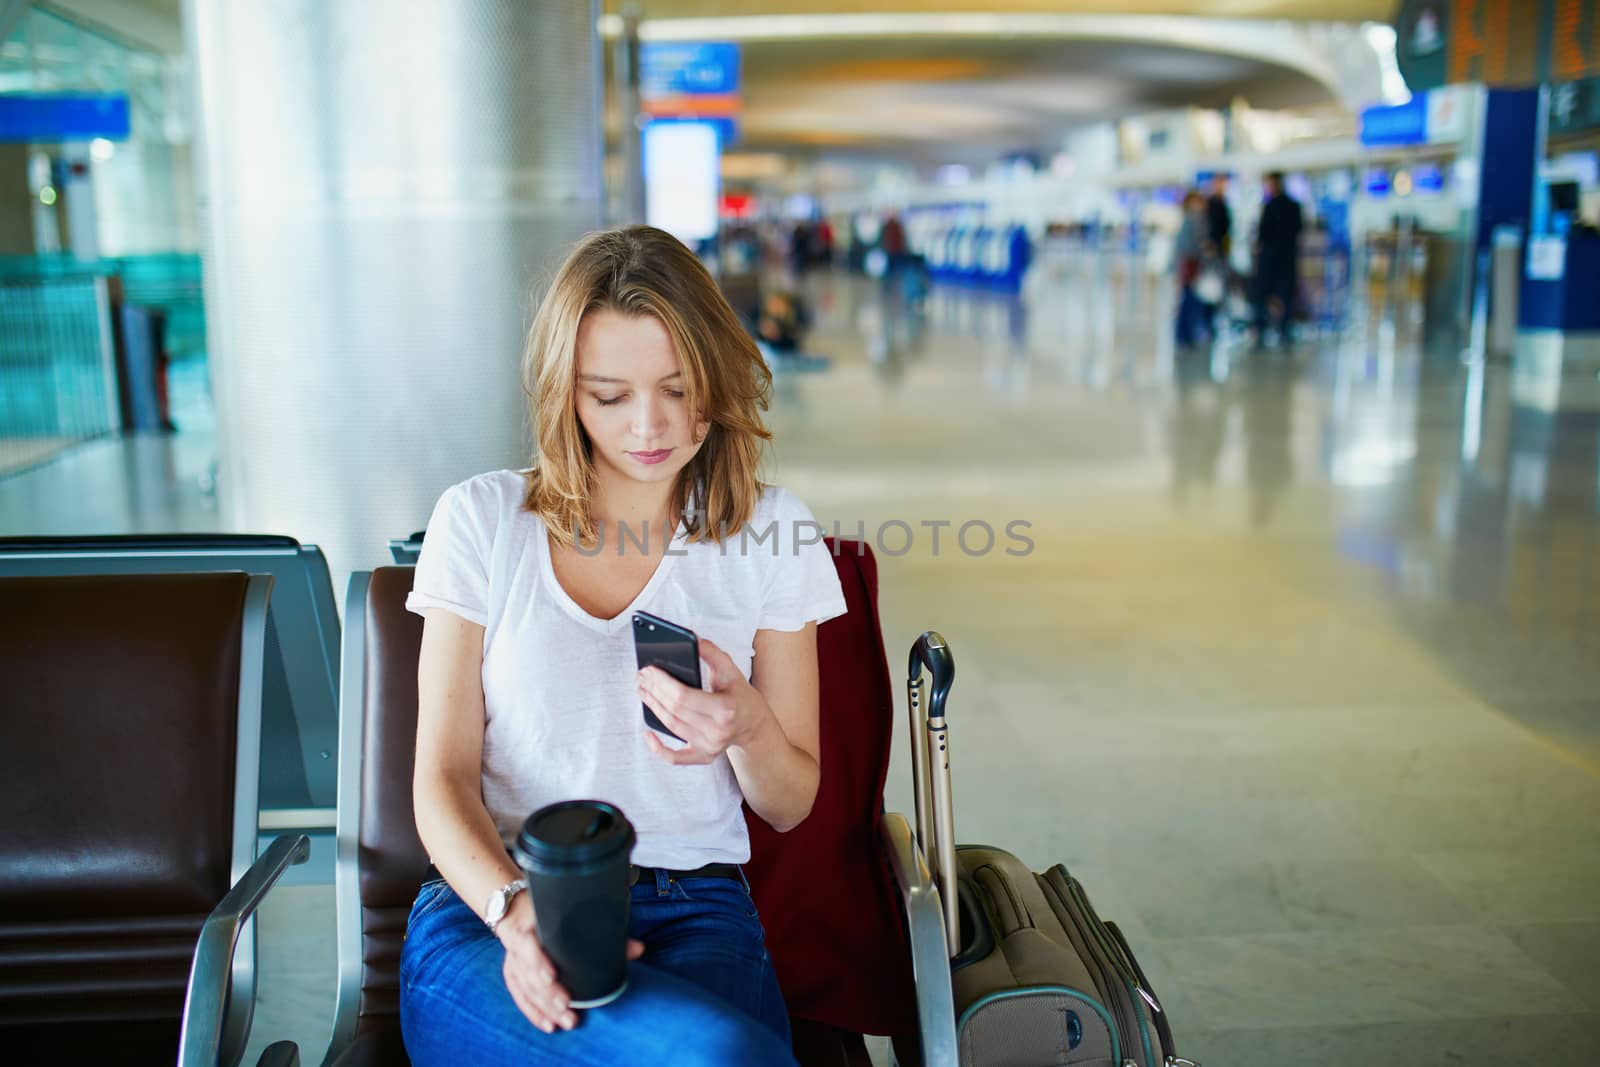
[563, 717]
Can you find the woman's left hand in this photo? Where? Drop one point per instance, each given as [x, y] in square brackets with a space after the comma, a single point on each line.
[726, 717]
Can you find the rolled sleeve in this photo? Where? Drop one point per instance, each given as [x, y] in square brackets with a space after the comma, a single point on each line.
[453, 569]
[804, 585]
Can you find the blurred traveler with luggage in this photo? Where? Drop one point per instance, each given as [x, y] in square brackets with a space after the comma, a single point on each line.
[1219, 234]
[1188, 257]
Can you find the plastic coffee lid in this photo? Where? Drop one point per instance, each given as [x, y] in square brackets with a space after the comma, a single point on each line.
[574, 833]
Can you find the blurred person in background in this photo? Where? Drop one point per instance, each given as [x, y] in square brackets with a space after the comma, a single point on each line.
[1188, 257]
[781, 321]
[824, 241]
[892, 239]
[800, 252]
[1219, 220]
[903, 273]
[1219, 238]
[1277, 261]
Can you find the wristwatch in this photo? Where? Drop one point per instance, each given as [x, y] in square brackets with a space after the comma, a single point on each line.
[500, 902]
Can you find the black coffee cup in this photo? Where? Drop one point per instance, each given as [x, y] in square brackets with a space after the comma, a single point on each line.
[576, 857]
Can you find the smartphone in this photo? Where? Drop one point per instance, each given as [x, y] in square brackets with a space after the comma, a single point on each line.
[673, 648]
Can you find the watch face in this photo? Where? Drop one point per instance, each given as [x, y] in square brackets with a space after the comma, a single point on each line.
[500, 901]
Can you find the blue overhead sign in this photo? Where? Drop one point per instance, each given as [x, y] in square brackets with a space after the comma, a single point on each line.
[688, 68]
[55, 117]
[1398, 124]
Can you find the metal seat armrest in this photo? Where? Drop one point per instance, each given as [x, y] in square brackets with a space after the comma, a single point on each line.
[280, 1054]
[930, 953]
[200, 1039]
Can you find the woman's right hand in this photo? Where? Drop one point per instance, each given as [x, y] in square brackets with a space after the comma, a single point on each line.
[530, 976]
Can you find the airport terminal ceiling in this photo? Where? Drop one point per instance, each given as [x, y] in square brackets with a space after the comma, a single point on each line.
[918, 96]
[154, 22]
[942, 97]
[947, 83]
[1313, 10]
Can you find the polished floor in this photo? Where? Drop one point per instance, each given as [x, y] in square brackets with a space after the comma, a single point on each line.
[1301, 674]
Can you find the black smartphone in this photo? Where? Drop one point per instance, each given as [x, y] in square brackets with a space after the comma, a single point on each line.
[673, 648]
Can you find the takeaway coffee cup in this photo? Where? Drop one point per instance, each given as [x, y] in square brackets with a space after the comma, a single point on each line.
[576, 858]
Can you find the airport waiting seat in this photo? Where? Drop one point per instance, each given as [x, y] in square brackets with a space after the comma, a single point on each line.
[129, 747]
[380, 862]
[843, 957]
[405, 550]
[301, 693]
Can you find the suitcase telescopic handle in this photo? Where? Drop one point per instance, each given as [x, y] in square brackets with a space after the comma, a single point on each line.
[932, 653]
[930, 771]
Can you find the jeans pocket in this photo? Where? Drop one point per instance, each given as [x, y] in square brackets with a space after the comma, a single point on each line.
[749, 898]
[723, 893]
[746, 903]
[430, 898]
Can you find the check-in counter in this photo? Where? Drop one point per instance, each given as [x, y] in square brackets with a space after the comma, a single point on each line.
[1560, 280]
[1557, 359]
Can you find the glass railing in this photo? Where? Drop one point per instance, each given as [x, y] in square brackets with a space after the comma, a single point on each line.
[166, 281]
[58, 352]
[57, 371]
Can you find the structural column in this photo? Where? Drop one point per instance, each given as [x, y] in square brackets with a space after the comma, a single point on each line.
[382, 186]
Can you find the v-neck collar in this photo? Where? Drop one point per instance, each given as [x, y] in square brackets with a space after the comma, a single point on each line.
[623, 617]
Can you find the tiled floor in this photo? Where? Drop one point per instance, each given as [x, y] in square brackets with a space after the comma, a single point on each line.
[1300, 675]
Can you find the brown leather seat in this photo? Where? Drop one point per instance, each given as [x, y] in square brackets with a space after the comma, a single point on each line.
[300, 700]
[118, 736]
[381, 646]
[382, 863]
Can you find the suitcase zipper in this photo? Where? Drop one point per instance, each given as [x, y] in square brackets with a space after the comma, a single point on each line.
[1163, 1026]
[1130, 970]
[1096, 955]
[1128, 975]
[1093, 928]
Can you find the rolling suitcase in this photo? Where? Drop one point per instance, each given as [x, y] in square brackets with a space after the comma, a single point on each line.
[1037, 976]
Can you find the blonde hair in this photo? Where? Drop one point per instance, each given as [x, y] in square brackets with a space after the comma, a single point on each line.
[640, 270]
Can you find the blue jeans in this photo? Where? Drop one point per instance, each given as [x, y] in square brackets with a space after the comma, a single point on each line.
[703, 993]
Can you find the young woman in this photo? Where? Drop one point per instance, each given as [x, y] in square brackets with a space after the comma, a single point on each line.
[647, 398]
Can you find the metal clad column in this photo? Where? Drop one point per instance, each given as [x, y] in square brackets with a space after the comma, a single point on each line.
[380, 185]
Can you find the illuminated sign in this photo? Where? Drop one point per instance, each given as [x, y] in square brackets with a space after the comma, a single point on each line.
[688, 68]
[682, 179]
[1427, 179]
[1575, 106]
[57, 117]
[696, 80]
[1397, 124]
[1501, 43]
